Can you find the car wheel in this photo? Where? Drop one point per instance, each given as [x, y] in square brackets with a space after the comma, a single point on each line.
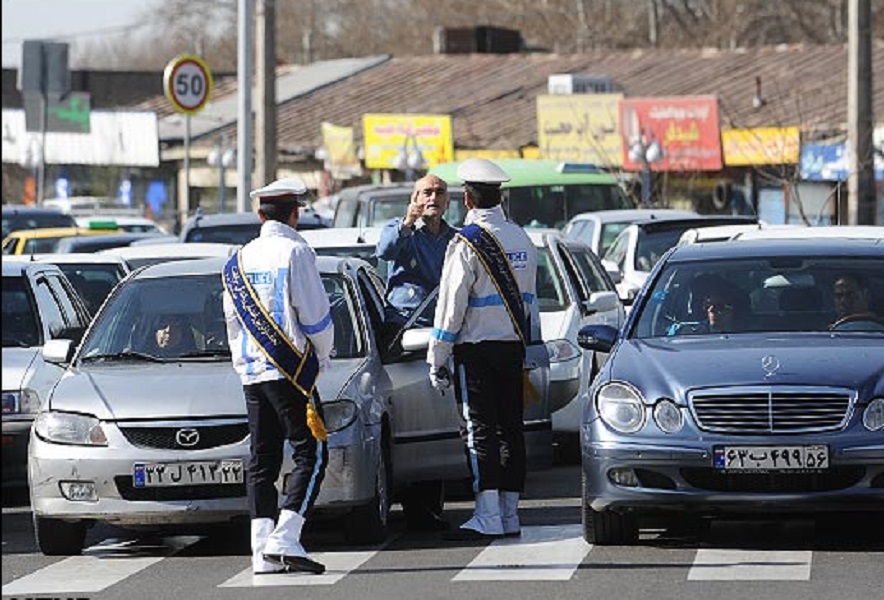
[367, 524]
[607, 528]
[59, 538]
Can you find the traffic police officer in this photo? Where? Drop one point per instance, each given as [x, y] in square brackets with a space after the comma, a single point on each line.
[485, 314]
[280, 333]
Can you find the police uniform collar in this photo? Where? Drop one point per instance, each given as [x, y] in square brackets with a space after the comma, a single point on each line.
[484, 214]
[275, 228]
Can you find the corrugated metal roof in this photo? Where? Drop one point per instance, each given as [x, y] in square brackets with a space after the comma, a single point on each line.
[122, 138]
[492, 98]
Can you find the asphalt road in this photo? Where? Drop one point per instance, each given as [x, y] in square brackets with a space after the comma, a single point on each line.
[781, 559]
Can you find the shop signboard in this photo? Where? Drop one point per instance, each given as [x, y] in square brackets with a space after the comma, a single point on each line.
[580, 128]
[422, 140]
[761, 146]
[685, 128]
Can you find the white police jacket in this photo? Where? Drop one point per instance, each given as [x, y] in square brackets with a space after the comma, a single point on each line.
[469, 308]
[282, 269]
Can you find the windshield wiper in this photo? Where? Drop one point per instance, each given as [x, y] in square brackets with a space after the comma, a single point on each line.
[207, 354]
[124, 355]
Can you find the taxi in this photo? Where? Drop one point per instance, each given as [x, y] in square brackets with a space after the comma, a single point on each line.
[45, 241]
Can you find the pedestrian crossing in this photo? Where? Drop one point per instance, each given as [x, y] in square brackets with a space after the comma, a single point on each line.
[542, 553]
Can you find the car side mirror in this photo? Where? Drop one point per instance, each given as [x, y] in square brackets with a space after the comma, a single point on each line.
[415, 339]
[613, 271]
[600, 338]
[74, 334]
[58, 351]
[601, 302]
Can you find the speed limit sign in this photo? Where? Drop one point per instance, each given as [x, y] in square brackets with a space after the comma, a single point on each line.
[187, 82]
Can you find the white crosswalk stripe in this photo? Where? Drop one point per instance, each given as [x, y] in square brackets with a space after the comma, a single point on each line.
[751, 565]
[337, 566]
[93, 572]
[548, 553]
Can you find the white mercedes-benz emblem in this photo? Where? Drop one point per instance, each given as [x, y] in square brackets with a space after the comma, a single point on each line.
[187, 438]
[770, 364]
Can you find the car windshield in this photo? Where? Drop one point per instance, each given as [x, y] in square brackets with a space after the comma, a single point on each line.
[225, 234]
[764, 295]
[610, 231]
[21, 326]
[652, 245]
[18, 221]
[182, 318]
[554, 205]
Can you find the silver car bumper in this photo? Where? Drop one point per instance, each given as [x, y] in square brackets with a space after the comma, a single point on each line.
[681, 477]
[348, 481]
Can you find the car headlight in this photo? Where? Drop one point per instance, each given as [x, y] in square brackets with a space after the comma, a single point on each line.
[668, 416]
[338, 414]
[620, 407]
[20, 402]
[69, 428]
[561, 350]
[873, 415]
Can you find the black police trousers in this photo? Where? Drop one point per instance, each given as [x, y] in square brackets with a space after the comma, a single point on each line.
[488, 388]
[277, 412]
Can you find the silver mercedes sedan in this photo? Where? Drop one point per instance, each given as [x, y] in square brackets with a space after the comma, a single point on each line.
[141, 437]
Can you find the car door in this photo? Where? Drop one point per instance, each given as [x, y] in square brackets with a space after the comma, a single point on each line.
[600, 304]
[426, 434]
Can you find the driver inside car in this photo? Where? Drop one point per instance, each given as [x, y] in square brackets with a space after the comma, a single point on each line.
[852, 299]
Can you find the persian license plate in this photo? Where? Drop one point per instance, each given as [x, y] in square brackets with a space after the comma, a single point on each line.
[771, 458]
[188, 473]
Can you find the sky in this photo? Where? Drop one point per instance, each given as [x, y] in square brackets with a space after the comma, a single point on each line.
[65, 21]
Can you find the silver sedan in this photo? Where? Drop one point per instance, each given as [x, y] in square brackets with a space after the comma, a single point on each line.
[138, 437]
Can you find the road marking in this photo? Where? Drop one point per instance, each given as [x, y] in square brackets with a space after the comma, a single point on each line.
[100, 567]
[337, 566]
[751, 565]
[545, 553]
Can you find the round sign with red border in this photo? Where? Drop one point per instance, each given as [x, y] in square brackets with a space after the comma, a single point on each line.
[187, 82]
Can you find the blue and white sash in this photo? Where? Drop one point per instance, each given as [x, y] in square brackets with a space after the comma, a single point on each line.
[493, 257]
[301, 368]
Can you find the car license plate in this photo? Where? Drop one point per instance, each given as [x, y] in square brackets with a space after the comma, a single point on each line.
[188, 473]
[771, 458]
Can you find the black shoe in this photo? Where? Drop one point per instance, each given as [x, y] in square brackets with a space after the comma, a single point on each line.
[296, 563]
[462, 534]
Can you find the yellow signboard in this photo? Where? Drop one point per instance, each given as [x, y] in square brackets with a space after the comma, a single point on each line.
[580, 128]
[761, 146]
[340, 149]
[407, 141]
[490, 154]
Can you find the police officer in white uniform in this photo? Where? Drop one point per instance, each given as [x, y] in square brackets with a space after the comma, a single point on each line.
[281, 268]
[473, 325]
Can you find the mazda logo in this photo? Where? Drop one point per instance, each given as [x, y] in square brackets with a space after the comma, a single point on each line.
[187, 438]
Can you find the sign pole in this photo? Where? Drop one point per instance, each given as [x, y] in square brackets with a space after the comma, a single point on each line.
[41, 165]
[187, 82]
[187, 162]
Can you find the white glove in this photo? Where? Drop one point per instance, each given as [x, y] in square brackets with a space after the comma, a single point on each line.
[324, 364]
[440, 378]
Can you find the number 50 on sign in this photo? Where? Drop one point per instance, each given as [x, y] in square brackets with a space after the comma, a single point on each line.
[187, 82]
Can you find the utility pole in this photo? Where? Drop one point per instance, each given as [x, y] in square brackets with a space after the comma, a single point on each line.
[861, 177]
[244, 105]
[265, 109]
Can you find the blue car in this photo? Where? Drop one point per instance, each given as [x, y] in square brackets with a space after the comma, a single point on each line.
[748, 378]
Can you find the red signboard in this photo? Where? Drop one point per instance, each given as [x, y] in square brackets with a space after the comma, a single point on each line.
[671, 134]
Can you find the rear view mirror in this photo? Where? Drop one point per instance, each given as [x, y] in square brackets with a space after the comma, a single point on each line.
[415, 339]
[58, 352]
[613, 271]
[601, 302]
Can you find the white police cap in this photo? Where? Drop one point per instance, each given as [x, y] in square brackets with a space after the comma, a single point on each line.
[481, 170]
[286, 189]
